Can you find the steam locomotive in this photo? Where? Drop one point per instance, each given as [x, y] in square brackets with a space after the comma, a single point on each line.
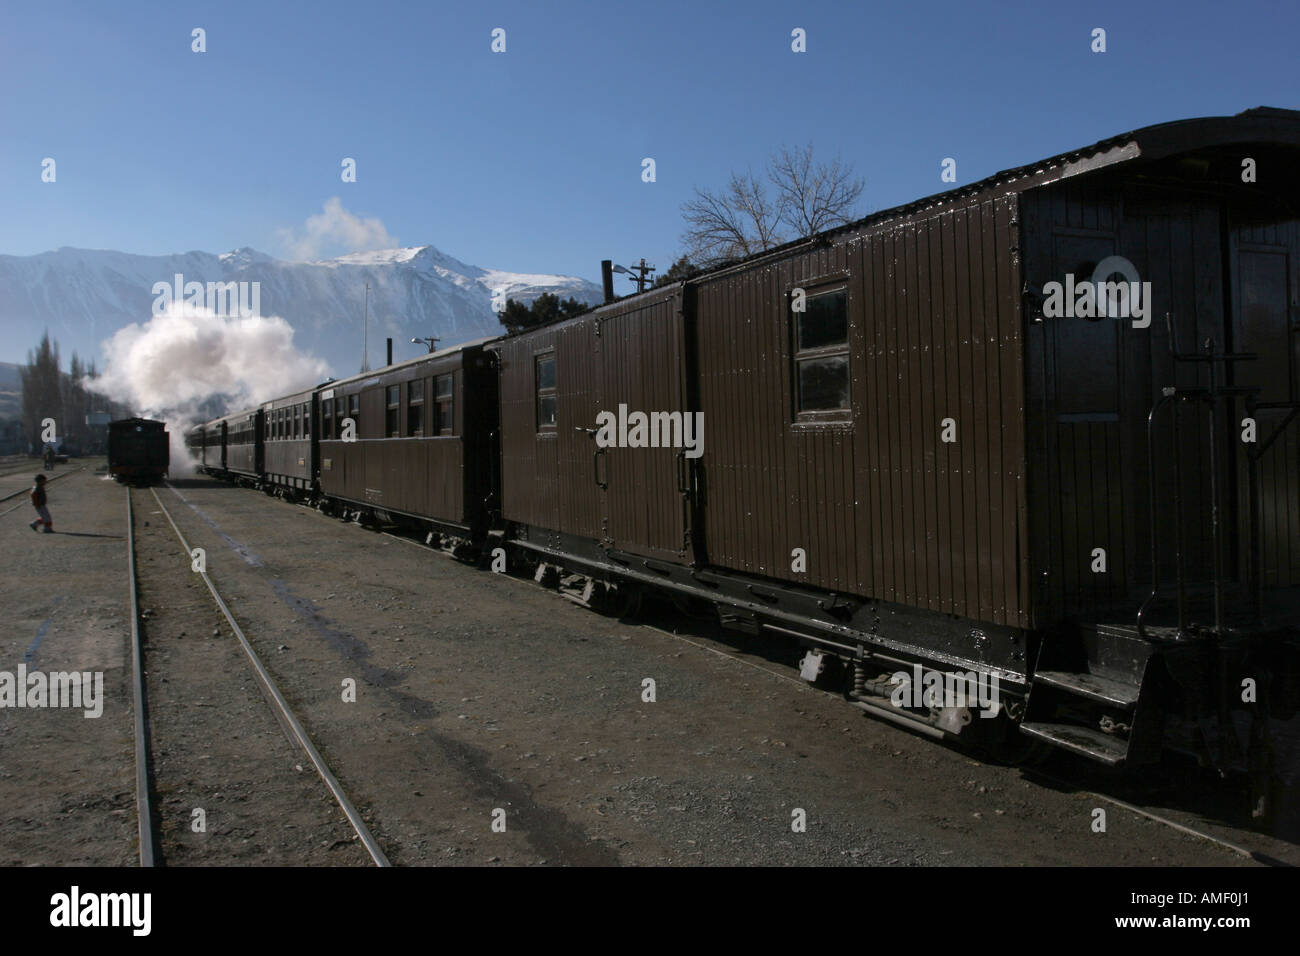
[139, 450]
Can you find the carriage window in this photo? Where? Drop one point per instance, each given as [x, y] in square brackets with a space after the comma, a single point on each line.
[545, 379]
[821, 358]
[442, 395]
[391, 429]
[327, 419]
[306, 419]
[415, 408]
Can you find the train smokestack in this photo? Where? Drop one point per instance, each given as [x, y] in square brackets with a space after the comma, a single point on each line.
[607, 278]
[390, 351]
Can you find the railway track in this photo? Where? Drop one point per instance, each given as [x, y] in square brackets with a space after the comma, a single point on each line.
[24, 491]
[30, 464]
[1064, 775]
[175, 719]
[1075, 779]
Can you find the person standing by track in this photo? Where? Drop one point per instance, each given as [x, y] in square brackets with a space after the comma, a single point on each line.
[39, 503]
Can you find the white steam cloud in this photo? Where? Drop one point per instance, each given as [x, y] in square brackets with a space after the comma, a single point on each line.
[336, 232]
[179, 364]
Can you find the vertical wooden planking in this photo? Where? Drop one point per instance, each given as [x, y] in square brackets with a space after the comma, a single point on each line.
[952, 452]
[917, 439]
[897, 588]
[1014, 448]
[990, 442]
[938, 572]
[964, 446]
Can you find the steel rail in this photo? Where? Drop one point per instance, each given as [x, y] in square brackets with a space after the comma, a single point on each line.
[143, 805]
[23, 491]
[286, 712]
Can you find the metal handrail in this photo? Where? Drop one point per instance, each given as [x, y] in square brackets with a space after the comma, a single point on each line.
[1211, 396]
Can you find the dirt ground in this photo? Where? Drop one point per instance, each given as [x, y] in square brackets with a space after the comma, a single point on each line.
[494, 722]
[67, 782]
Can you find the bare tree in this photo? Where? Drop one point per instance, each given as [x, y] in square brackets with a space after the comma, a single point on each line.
[813, 197]
[732, 224]
[743, 220]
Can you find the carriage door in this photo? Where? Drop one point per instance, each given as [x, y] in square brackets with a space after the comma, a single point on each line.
[643, 475]
[1267, 323]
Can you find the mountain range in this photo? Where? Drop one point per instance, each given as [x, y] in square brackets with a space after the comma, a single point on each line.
[83, 296]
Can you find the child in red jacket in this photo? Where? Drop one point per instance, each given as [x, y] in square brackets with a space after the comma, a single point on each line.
[38, 502]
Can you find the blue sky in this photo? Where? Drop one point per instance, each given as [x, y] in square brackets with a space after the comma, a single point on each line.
[530, 160]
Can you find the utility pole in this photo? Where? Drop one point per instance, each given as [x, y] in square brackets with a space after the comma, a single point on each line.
[431, 342]
[365, 334]
[643, 275]
[638, 274]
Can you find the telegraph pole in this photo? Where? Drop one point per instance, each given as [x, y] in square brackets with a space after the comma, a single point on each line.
[365, 334]
[643, 275]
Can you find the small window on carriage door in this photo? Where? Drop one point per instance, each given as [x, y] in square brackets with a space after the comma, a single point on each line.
[391, 428]
[545, 381]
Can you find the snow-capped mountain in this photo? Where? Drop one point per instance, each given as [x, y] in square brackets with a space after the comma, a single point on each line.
[83, 296]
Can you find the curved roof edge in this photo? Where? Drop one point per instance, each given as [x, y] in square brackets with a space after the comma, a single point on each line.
[1263, 124]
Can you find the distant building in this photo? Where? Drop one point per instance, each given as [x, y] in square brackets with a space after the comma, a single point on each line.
[12, 441]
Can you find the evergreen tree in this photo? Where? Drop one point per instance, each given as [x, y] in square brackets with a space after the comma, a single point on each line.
[42, 392]
[682, 269]
[516, 317]
[547, 307]
[571, 307]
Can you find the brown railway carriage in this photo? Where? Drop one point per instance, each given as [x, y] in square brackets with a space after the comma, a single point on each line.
[194, 443]
[289, 454]
[210, 456]
[559, 485]
[234, 446]
[416, 439]
[910, 452]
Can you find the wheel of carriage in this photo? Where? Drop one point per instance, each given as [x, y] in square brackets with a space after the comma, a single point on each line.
[694, 607]
[620, 600]
[1003, 742]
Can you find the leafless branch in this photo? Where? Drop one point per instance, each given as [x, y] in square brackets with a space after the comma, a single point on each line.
[733, 224]
[813, 197]
[744, 219]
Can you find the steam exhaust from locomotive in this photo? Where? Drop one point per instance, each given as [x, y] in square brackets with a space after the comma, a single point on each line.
[188, 362]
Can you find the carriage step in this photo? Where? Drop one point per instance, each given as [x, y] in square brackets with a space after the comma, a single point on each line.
[1093, 686]
[1082, 740]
